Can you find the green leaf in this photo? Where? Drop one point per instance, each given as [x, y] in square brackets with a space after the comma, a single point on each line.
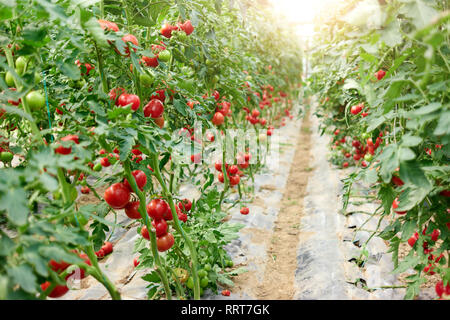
[406, 154]
[426, 109]
[411, 172]
[389, 162]
[23, 275]
[152, 277]
[14, 201]
[409, 140]
[69, 69]
[409, 262]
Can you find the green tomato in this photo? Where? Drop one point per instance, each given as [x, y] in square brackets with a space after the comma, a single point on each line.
[190, 283]
[164, 56]
[98, 167]
[37, 77]
[21, 63]
[83, 182]
[202, 273]
[9, 79]
[207, 267]
[368, 157]
[204, 282]
[146, 80]
[229, 263]
[6, 156]
[181, 35]
[187, 84]
[56, 195]
[35, 100]
[365, 135]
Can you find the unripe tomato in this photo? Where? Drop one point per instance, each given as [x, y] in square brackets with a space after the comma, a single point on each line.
[146, 80]
[9, 79]
[6, 156]
[165, 242]
[164, 56]
[21, 62]
[117, 195]
[35, 100]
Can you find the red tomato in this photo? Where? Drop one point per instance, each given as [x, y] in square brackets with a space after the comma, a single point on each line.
[221, 177]
[395, 205]
[245, 210]
[107, 248]
[441, 291]
[345, 164]
[157, 209]
[105, 162]
[105, 24]
[144, 233]
[131, 210]
[380, 74]
[159, 122]
[154, 108]
[63, 150]
[218, 166]
[435, 234]
[165, 242]
[233, 169]
[255, 113]
[126, 99]
[117, 195]
[140, 177]
[57, 292]
[115, 92]
[160, 226]
[130, 38]
[167, 29]
[136, 262]
[226, 293]
[100, 253]
[234, 180]
[397, 181]
[185, 205]
[413, 239]
[151, 62]
[216, 95]
[218, 119]
[58, 266]
[187, 27]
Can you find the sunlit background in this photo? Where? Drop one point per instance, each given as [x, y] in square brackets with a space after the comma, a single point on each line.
[302, 13]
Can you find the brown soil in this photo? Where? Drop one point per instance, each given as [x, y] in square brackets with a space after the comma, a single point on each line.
[281, 262]
[279, 277]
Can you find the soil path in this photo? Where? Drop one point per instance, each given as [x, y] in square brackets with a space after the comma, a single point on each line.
[281, 264]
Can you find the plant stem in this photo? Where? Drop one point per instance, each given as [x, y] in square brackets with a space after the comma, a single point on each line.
[144, 215]
[178, 227]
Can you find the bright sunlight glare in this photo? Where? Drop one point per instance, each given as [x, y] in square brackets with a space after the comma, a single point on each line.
[302, 13]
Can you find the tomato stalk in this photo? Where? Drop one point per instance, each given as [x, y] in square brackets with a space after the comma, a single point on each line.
[224, 170]
[89, 250]
[177, 225]
[101, 68]
[99, 275]
[142, 210]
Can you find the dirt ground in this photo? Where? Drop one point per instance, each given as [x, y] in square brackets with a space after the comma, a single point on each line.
[281, 262]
